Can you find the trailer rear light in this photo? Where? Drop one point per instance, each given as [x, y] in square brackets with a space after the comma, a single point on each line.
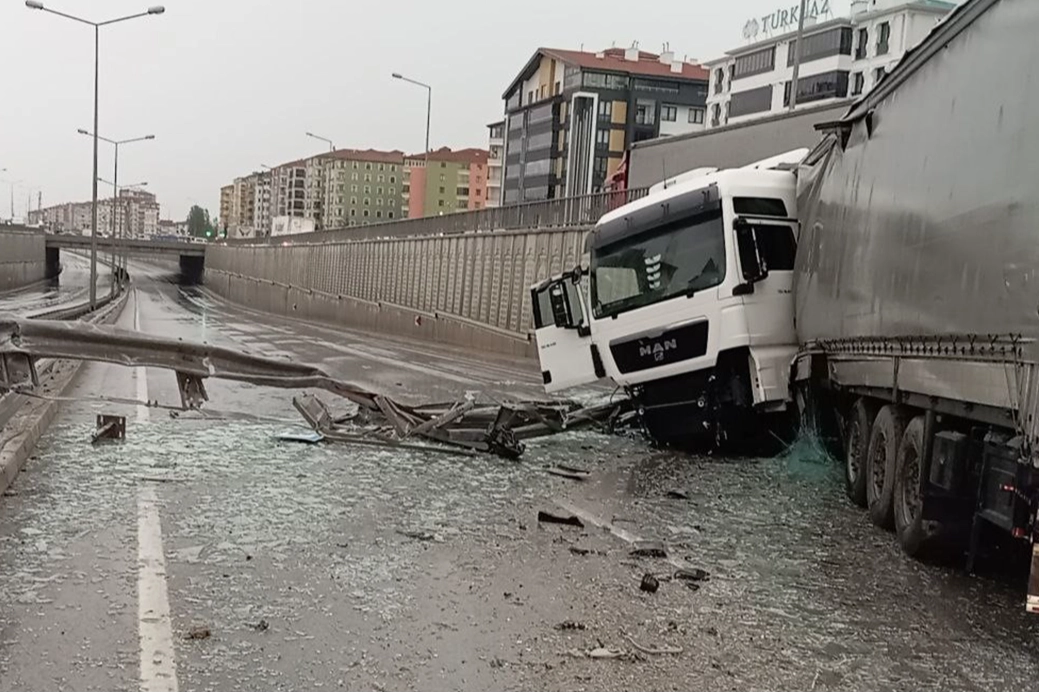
[1019, 532]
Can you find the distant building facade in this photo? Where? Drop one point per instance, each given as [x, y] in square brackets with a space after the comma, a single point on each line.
[571, 115]
[445, 182]
[495, 162]
[134, 214]
[842, 57]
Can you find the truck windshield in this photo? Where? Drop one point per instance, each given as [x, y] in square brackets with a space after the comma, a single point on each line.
[675, 259]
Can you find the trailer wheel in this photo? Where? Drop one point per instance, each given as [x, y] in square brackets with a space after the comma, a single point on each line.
[885, 438]
[860, 424]
[908, 490]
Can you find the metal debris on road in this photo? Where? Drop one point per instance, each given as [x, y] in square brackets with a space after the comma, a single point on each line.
[569, 625]
[197, 633]
[693, 575]
[312, 437]
[568, 472]
[109, 427]
[666, 649]
[649, 549]
[552, 518]
[649, 583]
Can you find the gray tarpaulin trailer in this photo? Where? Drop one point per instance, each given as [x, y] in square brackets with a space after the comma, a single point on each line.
[917, 285]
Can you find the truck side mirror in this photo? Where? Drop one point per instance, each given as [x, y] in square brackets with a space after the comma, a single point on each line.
[751, 261]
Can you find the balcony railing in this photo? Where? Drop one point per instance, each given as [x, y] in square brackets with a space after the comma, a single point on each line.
[564, 212]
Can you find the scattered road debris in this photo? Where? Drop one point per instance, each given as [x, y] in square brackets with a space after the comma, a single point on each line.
[649, 549]
[312, 437]
[570, 625]
[198, 633]
[568, 472]
[579, 551]
[465, 426]
[261, 625]
[606, 653]
[544, 516]
[420, 534]
[667, 649]
[678, 494]
[109, 427]
[649, 583]
[693, 575]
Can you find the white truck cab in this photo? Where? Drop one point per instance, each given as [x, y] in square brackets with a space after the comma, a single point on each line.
[686, 301]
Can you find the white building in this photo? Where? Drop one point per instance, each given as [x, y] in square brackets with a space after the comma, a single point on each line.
[842, 57]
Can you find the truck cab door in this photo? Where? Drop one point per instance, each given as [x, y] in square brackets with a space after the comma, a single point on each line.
[568, 357]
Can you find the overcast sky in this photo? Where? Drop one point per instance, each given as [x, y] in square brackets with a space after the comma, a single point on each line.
[227, 85]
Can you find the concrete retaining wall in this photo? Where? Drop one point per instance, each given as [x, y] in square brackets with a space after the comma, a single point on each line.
[470, 290]
[23, 258]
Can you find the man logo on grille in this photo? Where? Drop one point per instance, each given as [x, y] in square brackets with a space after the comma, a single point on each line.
[658, 349]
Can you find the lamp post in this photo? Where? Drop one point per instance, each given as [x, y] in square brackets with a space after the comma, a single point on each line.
[429, 106]
[157, 9]
[797, 54]
[115, 186]
[331, 146]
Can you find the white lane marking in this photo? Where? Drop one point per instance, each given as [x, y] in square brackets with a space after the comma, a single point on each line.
[158, 665]
[140, 373]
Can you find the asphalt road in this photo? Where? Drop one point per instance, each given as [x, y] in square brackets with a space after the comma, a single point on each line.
[205, 554]
[71, 287]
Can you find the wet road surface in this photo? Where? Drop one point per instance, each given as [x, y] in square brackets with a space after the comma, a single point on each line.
[69, 288]
[268, 565]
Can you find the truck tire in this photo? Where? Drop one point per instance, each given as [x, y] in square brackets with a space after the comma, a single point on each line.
[907, 490]
[857, 437]
[885, 438]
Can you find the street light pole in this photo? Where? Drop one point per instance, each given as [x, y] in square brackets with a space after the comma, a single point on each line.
[157, 9]
[115, 195]
[331, 146]
[797, 54]
[429, 110]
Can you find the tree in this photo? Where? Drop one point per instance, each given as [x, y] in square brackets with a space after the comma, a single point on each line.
[198, 223]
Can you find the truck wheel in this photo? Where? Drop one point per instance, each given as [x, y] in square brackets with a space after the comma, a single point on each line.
[885, 437]
[908, 490]
[860, 424]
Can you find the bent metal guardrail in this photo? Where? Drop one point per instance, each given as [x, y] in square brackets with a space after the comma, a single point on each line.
[563, 212]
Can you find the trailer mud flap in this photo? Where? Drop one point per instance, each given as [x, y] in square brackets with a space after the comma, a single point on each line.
[1032, 605]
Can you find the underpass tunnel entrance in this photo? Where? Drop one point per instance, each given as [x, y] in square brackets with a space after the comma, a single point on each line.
[192, 268]
[53, 260]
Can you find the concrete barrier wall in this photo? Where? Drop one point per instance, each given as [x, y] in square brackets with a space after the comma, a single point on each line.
[470, 290]
[23, 258]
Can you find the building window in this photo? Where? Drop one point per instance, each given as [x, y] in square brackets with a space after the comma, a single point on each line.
[605, 110]
[393, 179]
[599, 170]
[367, 190]
[353, 188]
[441, 177]
[696, 115]
[353, 176]
[405, 189]
[440, 203]
[443, 165]
[669, 113]
[860, 48]
[368, 167]
[716, 115]
[441, 190]
[381, 178]
[755, 63]
[602, 137]
[378, 214]
[857, 83]
[368, 177]
[390, 214]
[878, 75]
[828, 43]
[379, 190]
[367, 201]
[353, 200]
[353, 212]
[645, 112]
[378, 202]
[883, 38]
[829, 85]
[393, 167]
[751, 101]
[462, 192]
[366, 212]
[719, 80]
[382, 167]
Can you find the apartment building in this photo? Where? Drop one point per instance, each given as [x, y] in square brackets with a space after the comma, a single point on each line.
[495, 162]
[361, 187]
[287, 189]
[842, 57]
[445, 182]
[226, 214]
[571, 115]
[135, 214]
